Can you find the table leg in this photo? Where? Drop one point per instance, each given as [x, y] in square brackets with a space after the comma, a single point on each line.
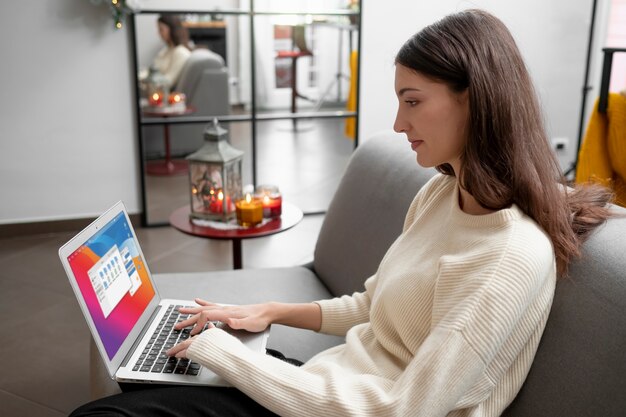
[237, 256]
[168, 153]
[168, 166]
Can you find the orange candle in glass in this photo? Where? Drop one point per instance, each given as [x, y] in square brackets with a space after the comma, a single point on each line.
[249, 211]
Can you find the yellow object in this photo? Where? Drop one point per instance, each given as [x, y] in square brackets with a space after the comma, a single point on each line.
[249, 211]
[350, 130]
[602, 156]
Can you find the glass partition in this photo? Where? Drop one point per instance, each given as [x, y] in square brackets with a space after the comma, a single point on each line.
[306, 165]
[281, 76]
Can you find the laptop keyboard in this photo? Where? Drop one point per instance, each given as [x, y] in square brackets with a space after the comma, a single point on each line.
[153, 357]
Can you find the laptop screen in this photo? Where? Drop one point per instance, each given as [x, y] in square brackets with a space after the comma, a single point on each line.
[113, 281]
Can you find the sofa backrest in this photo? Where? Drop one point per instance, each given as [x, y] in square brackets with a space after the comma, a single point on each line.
[367, 211]
[204, 80]
[580, 366]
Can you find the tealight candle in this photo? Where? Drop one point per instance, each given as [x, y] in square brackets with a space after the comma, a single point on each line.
[176, 98]
[176, 101]
[219, 202]
[156, 99]
[272, 201]
[249, 211]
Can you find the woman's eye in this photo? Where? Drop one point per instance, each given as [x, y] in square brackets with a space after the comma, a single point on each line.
[411, 103]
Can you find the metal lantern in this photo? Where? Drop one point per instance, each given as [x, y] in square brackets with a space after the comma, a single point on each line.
[215, 176]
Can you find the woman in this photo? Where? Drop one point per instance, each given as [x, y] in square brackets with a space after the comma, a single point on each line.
[450, 322]
[172, 58]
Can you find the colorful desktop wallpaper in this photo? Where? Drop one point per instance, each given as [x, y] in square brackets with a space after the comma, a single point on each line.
[114, 281]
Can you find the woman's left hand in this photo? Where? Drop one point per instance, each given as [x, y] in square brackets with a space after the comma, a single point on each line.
[180, 350]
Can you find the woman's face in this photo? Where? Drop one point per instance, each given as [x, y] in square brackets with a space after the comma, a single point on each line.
[164, 32]
[433, 117]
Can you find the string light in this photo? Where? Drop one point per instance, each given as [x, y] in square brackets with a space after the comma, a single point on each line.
[119, 9]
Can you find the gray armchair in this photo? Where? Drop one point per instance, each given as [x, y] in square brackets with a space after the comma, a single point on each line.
[204, 81]
[580, 367]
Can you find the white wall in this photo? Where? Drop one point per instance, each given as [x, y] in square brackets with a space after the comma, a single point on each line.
[616, 38]
[552, 37]
[67, 138]
[68, 146]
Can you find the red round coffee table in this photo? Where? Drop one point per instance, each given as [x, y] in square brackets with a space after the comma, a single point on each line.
[291, 216]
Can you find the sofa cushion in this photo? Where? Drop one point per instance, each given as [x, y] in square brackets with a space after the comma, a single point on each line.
[365, 217]
[580, 366]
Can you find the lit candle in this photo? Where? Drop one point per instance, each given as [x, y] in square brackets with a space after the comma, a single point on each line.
[249, 211]
[156, 99]
[272, 201]
[219, 202]
[272, 206]
[176, 98]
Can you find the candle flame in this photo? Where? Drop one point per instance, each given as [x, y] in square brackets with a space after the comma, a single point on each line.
[248, 198]
[266, 199]
[155, 96]
[220, 195]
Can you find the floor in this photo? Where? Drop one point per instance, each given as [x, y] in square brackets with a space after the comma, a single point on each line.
[45, 339]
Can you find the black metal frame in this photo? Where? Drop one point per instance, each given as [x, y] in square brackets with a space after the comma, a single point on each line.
[606, 77]
[586, 88]
[253, 117]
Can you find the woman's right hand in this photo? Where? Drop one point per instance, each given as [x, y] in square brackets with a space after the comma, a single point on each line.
[253, 318]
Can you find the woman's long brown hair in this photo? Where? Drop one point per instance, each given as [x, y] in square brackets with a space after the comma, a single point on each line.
[178, 33]
[507, 158]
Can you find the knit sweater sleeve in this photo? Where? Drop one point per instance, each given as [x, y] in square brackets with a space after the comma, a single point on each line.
[340, 314]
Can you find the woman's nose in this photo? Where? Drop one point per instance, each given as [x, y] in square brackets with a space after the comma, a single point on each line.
[398, 125]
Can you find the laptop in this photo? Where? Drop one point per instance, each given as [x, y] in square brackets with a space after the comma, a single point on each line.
[131, 324]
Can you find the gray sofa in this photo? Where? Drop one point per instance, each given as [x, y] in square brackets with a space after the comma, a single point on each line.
[580, 367]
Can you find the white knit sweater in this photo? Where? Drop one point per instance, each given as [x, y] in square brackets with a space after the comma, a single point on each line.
[448, 325]
[170, 62]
